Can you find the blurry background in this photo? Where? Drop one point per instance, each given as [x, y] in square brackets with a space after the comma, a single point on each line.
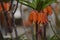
[19, 18]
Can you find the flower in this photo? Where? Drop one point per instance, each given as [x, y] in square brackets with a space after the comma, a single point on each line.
[6, 6]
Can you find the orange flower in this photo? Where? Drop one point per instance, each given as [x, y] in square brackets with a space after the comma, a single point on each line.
[45, 10]
[49, 9]
[33, 16]
[6, 6]
[35, 13]
[39, 18]
[42, 18]
[0, 8]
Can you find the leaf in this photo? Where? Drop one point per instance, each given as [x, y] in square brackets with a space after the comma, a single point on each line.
[37, 4]
[48, 2]
[34, 4]
[27, 3]
[54, 38]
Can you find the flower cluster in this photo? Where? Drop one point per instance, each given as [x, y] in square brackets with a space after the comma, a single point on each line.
[40, 17]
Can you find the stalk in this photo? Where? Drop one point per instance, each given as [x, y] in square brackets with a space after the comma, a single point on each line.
[36, 31]
[45, 32]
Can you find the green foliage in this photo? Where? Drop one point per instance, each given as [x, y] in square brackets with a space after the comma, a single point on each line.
[37, 4]
[53, 38]
[27, 3]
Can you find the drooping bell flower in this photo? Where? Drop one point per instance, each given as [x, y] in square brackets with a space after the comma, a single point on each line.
[42, 18]
[33, 16]
[45, 10]
[30, 18]
[49, 9]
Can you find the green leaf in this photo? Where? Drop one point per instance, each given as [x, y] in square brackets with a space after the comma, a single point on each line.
[48, 2]
[34, 3]
[54, 38]
[37, 4]
[27, 3]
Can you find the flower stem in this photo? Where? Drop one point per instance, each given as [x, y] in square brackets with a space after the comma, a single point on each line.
[45, 32]
[36, 31]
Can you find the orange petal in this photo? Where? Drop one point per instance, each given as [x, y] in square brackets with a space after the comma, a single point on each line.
[0, 8]
[45, 10]
[35, 13]
[49, 9]
[30, 17]
[6, 6]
